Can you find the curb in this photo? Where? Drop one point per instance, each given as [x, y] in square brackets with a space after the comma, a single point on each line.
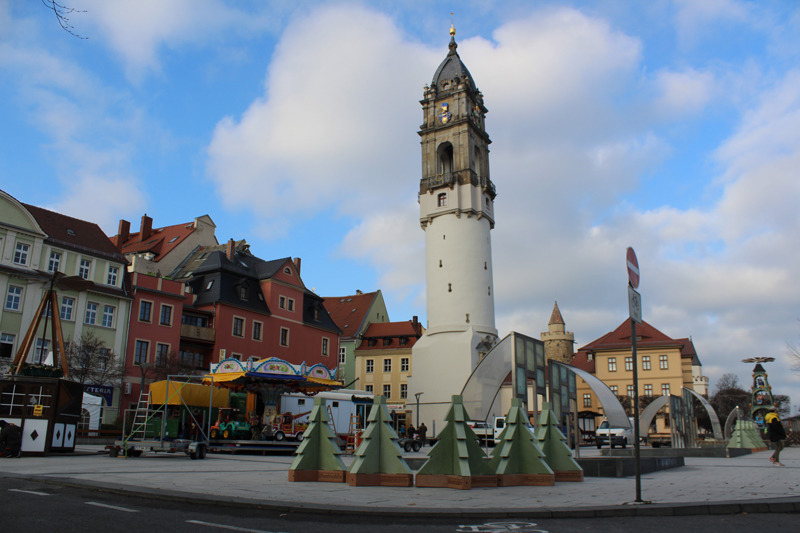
[780, 505]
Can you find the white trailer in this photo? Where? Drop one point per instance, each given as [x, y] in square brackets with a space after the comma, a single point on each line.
[347, 408]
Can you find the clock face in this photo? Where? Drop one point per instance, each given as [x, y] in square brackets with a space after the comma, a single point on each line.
[445, 116]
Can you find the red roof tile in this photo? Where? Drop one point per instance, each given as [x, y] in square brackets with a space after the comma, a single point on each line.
[348, 312]
[581, 360]
[74, 233]
[391, 335]
[160, 242]
[646, 336]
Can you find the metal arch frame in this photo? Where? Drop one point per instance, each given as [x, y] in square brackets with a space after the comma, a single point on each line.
[649, 413]
[614, 412]
[715, 426]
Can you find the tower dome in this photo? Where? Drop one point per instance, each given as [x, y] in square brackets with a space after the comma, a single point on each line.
[452, 71]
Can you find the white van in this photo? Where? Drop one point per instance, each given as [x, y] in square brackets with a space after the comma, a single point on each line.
[500, 425]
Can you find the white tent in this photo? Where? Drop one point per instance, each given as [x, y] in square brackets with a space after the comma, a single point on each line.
[94, 406]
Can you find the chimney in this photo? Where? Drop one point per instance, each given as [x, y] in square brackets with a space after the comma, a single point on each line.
[415, 324]
[123, 234]
[297, 265]
[146, 229]
[230, 249]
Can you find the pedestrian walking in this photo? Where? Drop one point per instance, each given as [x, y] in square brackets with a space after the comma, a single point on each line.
[423, 433]
[776, 435]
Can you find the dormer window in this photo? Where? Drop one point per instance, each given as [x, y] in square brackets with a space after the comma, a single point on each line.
[243, 292]
[209, 285]
[287, 271]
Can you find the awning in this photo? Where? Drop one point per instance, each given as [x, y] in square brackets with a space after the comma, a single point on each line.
[190, 394]
[240, 380]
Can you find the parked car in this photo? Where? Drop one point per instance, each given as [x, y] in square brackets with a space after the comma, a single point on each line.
[619, 436]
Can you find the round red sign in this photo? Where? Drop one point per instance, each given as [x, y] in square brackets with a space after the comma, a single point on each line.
[633, 268]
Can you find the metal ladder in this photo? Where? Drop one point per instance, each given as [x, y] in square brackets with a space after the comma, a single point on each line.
[350, 443]
[139, 428]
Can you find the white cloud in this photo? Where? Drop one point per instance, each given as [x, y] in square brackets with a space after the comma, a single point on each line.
[329, 130]
[683, 93]
[138, 30]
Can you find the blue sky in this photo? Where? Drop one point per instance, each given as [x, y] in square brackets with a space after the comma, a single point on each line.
[669, 126]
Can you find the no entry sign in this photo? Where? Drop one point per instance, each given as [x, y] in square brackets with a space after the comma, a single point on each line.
[633, 268]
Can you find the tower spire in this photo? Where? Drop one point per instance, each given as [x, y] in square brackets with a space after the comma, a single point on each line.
[453, 44]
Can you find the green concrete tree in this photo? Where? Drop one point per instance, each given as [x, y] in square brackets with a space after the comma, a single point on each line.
[745, 435]
[457, 460]
[318, 455]
[379, 459]
[516, 458]
[554, 445]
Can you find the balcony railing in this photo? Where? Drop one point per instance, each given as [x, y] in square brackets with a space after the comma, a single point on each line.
[441, 180]
[197, 332]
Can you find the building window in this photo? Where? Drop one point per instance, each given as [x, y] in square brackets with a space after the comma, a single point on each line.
[645, 362]
[84, 268]
[387, 341]
[441, 200]
[284, 336]
[342, 355]
[145, 308]
[325, 343]
[238, 326]
[113, 272]
[91, 313]
[67, 306]
[41, 351]
[587, 400]
[663, 362]
[6, 345]
[665, 389]
[387, 390]
[368, 388]
[108, 316]
[166, 315]
[140, 352]
[404, 364]
[291, 306]
[55, 262]
[612, 364]
[614, 389]
[387, 365]
[370, 366]
[243, 292]
[162, 354]
[21, 253]
[257, 330]
[628, 364]
[282, 302]
[103, 357]
[14, 298]
[648, 390]
[631, 391]
[403, 391]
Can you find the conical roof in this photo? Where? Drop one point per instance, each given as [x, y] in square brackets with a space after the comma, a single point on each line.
[452, 68]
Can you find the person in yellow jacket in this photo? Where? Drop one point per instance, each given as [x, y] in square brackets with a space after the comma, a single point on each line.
[776, 435]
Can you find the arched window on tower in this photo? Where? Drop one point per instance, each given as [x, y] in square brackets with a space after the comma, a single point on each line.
[477, 161]
[445, 153]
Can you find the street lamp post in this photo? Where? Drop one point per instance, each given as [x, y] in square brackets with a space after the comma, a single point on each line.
[417, 395]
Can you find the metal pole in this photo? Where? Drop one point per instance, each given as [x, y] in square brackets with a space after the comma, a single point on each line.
[636, 449]
[417, 395]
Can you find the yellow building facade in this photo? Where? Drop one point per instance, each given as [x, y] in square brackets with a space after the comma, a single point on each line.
[665, 367]
[383, 365]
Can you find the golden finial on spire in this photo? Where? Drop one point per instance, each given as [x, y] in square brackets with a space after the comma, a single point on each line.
[452, 27]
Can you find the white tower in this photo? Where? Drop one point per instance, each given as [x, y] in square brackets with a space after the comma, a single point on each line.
[456, 202]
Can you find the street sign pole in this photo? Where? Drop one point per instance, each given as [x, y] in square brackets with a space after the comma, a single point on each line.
[635, 311]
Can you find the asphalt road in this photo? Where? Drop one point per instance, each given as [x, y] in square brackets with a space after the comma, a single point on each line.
[34, 507]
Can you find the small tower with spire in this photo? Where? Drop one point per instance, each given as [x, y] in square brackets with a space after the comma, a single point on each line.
[558, 342]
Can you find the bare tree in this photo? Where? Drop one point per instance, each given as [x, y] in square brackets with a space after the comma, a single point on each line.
[63, 13]
[172, 365]
[728, 395]
[90, 361]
